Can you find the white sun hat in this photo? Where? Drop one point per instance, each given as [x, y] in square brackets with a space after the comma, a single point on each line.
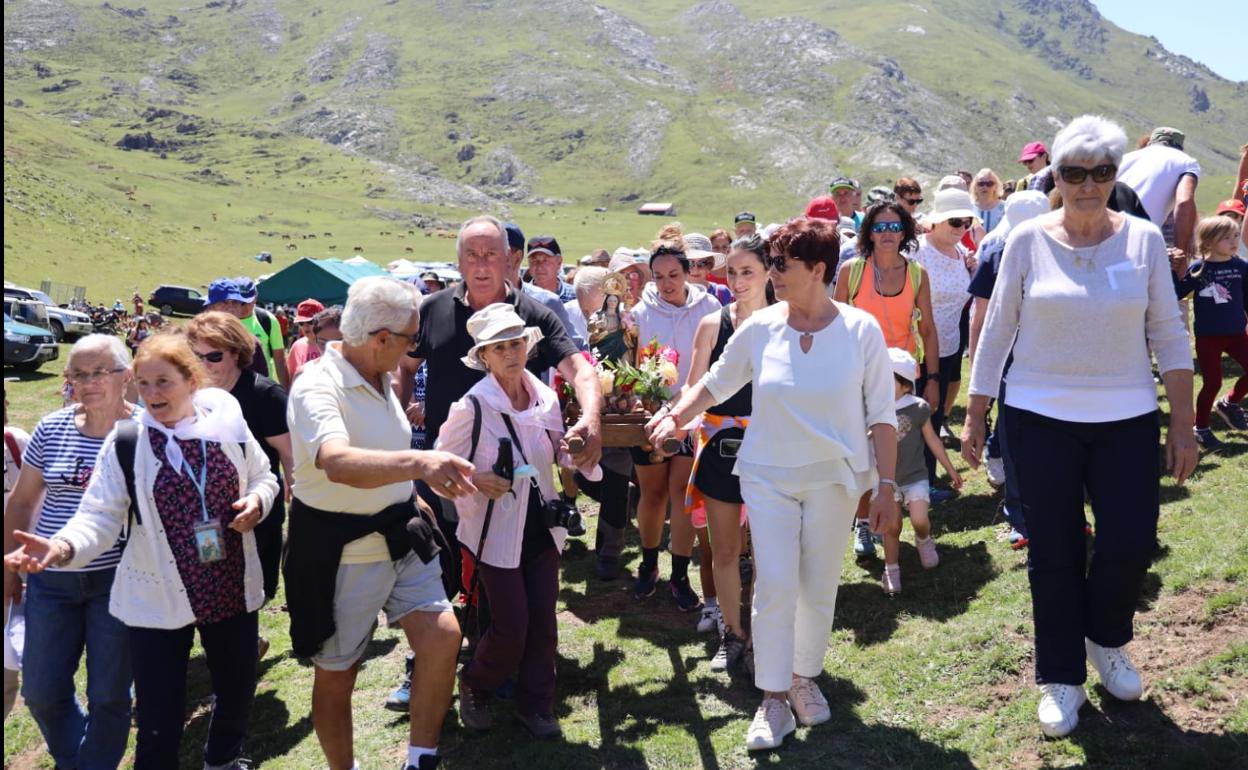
[698, 246]
[951, 203]
[498, 322]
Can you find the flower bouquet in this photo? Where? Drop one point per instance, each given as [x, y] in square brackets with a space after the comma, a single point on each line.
[632, 393]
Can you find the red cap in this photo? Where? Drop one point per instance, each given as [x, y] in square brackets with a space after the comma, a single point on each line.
[823, 207]
[1232, 206]
[307, 309]
[1032, 150]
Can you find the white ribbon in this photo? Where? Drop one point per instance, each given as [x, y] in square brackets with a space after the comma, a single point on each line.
[218, 417]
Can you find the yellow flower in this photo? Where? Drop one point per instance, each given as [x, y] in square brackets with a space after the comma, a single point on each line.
[669, 373]
[607, 381]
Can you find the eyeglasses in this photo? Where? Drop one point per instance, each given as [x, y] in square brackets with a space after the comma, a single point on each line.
[777, 263]
[95, 375]
[963, 222]
[887, 227]
[1077, 174]
[912, 201]
[702, 264]
[215, 357]
[411, 338]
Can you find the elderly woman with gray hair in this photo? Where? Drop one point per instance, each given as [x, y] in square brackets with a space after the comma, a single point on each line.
[357, 543]
[1083, 297]
[67, 608]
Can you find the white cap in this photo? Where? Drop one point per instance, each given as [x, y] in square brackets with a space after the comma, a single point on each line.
[904, 365]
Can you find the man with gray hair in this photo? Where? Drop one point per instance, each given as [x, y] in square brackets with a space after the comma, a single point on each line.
[358, 543]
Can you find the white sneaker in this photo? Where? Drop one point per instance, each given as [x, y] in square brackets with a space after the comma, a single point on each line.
[772, 722]
[1116, 672]
[711, 620]
[996, 471]
[808, 702]
[927, 552]
[1059, 708]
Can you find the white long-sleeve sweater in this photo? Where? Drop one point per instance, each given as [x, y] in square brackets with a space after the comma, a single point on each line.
[1081, 325]
[148, 591]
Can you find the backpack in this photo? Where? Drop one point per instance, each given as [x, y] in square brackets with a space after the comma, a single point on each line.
[858, 266]
[267, 322]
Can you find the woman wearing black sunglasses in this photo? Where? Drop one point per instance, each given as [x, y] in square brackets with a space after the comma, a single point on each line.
[225, 348]
[1082, 297]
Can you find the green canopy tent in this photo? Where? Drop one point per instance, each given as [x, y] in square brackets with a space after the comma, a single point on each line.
[326, 280]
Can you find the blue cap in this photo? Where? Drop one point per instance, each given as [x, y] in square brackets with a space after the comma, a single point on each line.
[246, 287]
[223, 290]
[515, 236]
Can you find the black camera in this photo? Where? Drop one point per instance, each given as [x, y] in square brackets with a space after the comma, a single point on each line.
[558, 513]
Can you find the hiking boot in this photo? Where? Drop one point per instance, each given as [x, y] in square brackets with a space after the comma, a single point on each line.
[996, 471]
[647, 579]
[542, 726]
[241, 763]
[864, 546]
[808, 702]
[1208, 441]
[1232, 413]
[686, 598]
[1059, 708]
[400, 699]
[712, 619]
[927, 552]
[772, 722]
[474, 708]
[1018, 541]
[890, 581]
[607, 568]
[730, 650]
[1116, 672]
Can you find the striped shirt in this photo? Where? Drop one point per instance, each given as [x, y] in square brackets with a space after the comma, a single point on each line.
[66, 458]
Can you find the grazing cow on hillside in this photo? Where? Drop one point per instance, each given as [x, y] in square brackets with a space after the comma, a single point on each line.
[328, 235]
[285, 237]
[409, 250]
[333, 248]
[357, 248]
[195, 228]
[291, 247]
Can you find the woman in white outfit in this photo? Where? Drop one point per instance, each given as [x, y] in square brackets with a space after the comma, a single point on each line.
[823, 424]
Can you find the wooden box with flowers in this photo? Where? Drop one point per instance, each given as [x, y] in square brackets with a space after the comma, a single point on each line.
[631, 394]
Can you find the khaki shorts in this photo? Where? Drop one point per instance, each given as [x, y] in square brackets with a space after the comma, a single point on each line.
[363, 590]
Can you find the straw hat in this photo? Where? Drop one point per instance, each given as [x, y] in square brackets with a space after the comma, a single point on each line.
[498, 322]
[698, 246]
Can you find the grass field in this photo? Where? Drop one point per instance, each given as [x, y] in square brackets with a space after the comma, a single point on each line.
[940, 677]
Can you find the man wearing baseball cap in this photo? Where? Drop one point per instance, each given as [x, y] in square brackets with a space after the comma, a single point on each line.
[545, 263]
[744, 224]
[224, 296]
[543, 297]
[265, 327]
[1165, 178]
[847, 194]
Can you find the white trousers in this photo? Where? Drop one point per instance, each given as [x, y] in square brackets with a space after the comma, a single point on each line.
[799, 542]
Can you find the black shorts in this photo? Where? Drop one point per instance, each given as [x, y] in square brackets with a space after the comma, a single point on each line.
[951, 368]
[714, 477]
[642, 457]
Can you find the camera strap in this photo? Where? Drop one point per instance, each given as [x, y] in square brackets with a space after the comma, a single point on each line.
[515, 440]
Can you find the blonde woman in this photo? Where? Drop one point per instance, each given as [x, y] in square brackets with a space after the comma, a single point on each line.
[989, 206]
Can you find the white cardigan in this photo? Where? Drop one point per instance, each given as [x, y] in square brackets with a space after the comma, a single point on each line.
[148, 591]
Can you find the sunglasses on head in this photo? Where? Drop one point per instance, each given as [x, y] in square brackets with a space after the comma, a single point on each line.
[887, 227]
[215, 357]
[962, 222]
[777, 263]
[1105, 172]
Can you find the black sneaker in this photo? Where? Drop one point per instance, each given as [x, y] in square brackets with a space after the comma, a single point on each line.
[686, 598]
[646, 582]
[1232, 413]
[427, 762]
[1206, 439]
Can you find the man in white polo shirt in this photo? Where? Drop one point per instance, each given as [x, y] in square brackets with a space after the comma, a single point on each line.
[354, 509]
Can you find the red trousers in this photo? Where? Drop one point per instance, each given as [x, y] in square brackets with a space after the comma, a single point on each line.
[1209, 350]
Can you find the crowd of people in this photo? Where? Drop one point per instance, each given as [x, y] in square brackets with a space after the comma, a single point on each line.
[420, 450]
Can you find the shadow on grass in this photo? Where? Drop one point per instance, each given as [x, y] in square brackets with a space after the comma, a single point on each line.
[938, 594]
[25, 375]
[1140, 734]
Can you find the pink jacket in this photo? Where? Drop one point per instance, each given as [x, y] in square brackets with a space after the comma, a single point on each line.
[539, 427]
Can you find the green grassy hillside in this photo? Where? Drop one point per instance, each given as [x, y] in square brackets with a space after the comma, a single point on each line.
[253, 120]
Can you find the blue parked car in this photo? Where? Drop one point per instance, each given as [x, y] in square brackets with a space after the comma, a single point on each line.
[27, 347]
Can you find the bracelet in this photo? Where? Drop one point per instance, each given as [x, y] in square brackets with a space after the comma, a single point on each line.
[889, 482]
[69, 551]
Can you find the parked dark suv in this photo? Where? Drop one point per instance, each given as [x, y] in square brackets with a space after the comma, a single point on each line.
[176, 299]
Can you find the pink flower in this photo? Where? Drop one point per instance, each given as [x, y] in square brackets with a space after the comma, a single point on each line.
[670, 354]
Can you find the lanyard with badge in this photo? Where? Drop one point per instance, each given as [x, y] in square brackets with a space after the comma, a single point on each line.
[208, 533]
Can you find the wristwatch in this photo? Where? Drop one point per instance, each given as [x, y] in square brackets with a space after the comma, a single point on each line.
[68, 551]
[891, 483]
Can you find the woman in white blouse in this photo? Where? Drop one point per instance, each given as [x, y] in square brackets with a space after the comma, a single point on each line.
[823, 424]
[1082, 298]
